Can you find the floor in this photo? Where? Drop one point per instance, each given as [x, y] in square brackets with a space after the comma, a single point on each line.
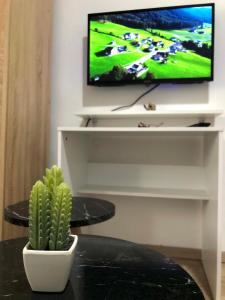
[194, 267]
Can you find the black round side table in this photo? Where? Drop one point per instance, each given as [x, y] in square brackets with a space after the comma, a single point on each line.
[85, 211]
[104, 269]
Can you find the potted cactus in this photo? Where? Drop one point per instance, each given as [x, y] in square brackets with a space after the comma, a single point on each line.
[49, 254]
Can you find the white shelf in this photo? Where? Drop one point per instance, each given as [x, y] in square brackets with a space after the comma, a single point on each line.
[142, 129]
[144, 192]
[182, 163]
[157, 113]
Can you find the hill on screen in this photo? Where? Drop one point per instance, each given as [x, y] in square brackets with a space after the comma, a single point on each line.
[164, 19]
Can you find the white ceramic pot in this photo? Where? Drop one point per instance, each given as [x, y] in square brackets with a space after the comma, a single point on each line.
[48, 271]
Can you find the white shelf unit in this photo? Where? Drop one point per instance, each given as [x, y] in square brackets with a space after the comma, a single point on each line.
[182, 163]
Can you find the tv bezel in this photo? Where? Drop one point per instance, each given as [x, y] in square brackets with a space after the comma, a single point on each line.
[160, 80]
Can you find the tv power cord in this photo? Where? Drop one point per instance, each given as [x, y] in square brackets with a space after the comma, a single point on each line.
[134, 102]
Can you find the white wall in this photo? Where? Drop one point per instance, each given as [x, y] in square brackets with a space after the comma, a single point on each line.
[69, 93]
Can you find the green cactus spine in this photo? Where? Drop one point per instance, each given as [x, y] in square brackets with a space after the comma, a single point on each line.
[39, 217]
[60, 218]
[53, 178]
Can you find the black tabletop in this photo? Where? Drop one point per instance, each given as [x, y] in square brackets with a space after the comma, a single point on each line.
[85, 211]
[103, 269]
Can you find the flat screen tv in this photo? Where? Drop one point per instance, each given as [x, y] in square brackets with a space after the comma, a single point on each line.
[169, 44]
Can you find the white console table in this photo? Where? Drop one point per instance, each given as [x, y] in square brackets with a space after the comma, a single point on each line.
[166, 162]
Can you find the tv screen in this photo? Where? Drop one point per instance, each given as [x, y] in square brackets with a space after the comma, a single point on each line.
[170, 44]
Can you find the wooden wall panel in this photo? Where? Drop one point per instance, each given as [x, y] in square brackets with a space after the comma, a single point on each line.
[4, 12]
[28, 101]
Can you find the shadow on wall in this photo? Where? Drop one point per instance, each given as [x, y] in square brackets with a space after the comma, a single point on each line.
[122, 95]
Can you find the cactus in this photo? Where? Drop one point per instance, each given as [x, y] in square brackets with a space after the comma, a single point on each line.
[60, 218]
[50, 212]
[53, 178]
[39, 217]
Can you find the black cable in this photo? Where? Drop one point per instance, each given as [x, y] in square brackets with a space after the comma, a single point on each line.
[141, 96]
[87, 122]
